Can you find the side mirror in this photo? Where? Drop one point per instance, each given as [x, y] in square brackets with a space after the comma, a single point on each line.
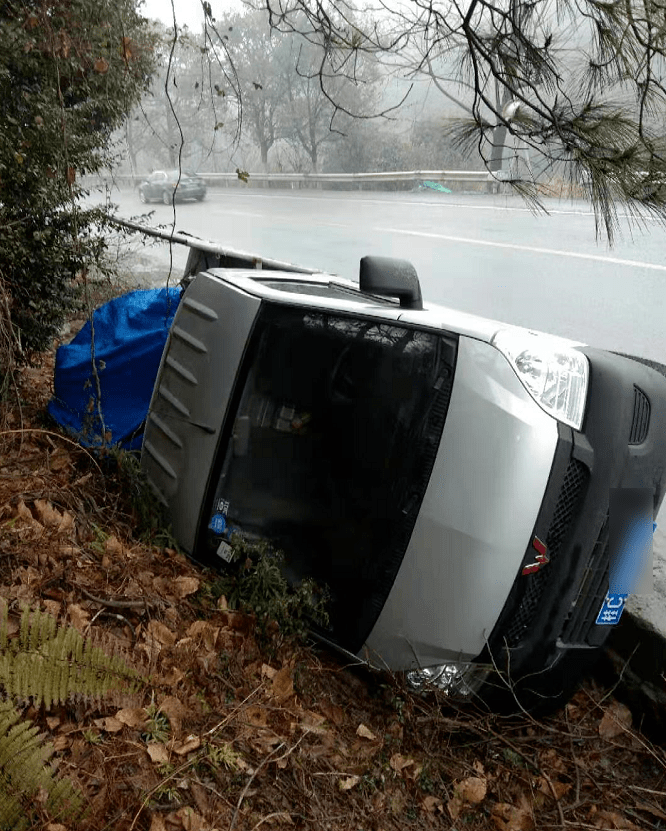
[394, 278]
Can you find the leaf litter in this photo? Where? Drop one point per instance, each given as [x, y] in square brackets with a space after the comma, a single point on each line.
[237, 733]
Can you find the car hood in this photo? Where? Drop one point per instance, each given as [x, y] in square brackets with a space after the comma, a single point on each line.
[474, 326]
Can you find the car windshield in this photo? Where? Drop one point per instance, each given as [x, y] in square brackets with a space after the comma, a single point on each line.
[333, 443]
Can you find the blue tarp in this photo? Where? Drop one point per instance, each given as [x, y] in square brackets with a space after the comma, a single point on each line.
[435, 186]
[130, 333]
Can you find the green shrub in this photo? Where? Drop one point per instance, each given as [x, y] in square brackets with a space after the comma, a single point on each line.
[70, 71]
[254, 581]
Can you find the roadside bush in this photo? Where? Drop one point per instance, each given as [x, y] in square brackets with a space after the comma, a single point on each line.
[70, 70]
[254, 581]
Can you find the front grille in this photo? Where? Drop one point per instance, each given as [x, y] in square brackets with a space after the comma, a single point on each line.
[566, 510]
[579, 628]
[641, 420]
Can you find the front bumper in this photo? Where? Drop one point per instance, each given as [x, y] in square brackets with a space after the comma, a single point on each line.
[553, 611]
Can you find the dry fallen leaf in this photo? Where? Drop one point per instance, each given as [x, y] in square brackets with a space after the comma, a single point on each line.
[616, 720]
[365, 733]
[184, 586]
[160, 633]
[560, 788]
[611, 819]
[172, 676]
[332, 712]
[398, 762]
[109, 724]
[47, 514]
[158, 753]
[313, 722]
[157, 823]
[132, 716]
[509, 818]
[174, 709]
[348, 783]
[470, 791]
[183, 748]
[204, 631]
[283, 685]
[113, 547]
[432, 804]
[189, 819]
[78, 616]
[268, 672]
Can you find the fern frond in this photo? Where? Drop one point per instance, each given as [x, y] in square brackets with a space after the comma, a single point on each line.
[25, 772]
[48, 664]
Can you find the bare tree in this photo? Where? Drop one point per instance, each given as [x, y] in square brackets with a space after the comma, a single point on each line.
[578, 83]
[262, 61]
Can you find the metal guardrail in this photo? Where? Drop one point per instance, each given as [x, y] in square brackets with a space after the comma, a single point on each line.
[309, 179]
[205, 254]
[360, 178]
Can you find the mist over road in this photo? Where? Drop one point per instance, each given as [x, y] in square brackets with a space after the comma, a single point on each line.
[483, 254]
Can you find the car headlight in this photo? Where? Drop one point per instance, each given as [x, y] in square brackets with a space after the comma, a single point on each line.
[555, 374]
[460, 681]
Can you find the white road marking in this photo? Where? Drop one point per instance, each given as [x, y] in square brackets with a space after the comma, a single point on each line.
[533, 249]
[457, 205]
[238, 213]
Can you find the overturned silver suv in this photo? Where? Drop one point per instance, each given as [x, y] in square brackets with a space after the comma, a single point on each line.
[445, 476]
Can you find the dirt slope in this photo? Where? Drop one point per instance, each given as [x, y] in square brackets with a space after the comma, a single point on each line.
[238, 732]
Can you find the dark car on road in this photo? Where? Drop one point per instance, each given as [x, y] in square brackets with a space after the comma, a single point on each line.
[164, 185]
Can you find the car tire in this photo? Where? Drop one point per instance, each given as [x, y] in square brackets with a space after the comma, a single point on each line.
[200, 198]
[166, 198]
[142, 196]
[545, 692]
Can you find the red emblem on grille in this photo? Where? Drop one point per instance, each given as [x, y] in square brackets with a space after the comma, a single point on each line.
[541, 558]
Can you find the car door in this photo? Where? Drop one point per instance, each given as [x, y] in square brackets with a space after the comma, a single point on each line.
[156, 184]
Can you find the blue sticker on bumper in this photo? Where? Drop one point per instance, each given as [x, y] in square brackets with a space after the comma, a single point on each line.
[612, 609]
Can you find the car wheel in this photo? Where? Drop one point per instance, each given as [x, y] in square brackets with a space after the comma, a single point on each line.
[201, 197]
[166, 198]
[143, 197]
[544, 692]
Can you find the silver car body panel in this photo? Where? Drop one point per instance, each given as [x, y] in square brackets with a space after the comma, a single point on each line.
[194, 386]
[471, 533]
[475, 521]
[432, 316]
